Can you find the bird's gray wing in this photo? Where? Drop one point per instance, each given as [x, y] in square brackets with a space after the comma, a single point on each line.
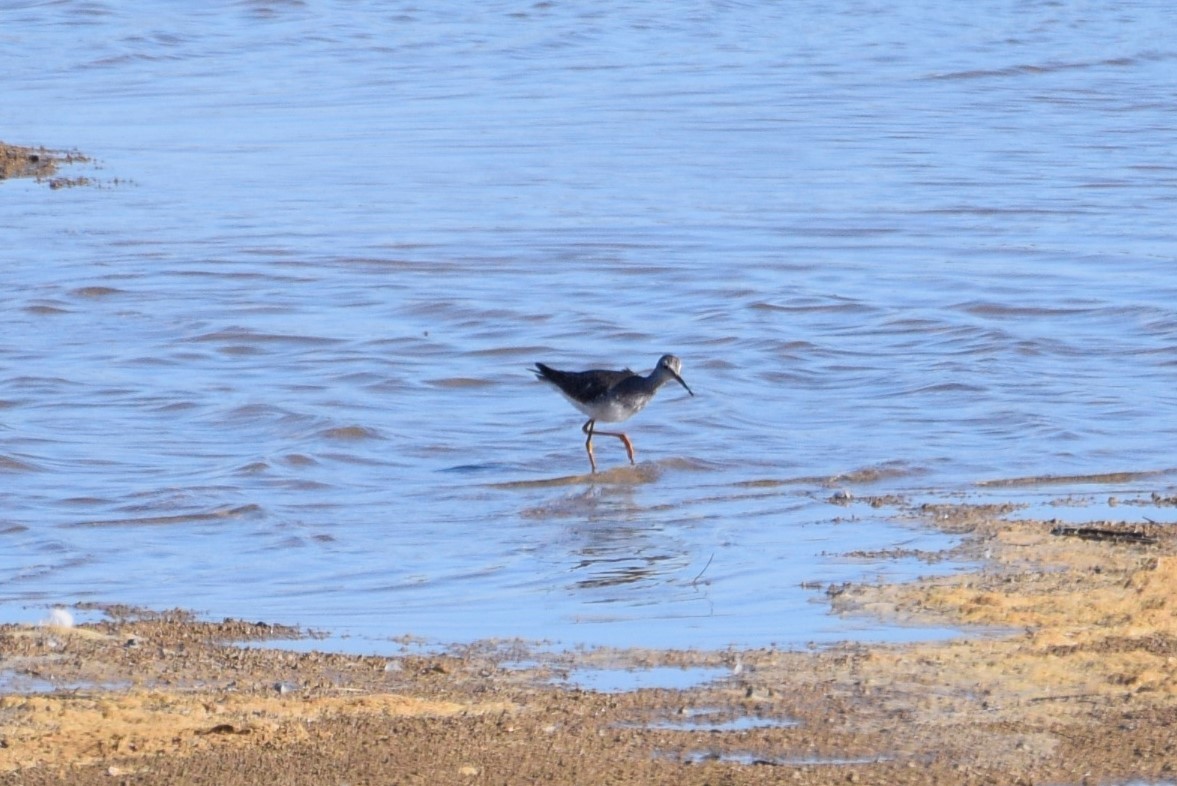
[582, 385]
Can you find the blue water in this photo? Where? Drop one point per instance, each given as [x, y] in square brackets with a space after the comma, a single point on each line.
[274, 364]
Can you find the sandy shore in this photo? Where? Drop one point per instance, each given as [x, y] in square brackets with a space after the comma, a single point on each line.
[1069, 678]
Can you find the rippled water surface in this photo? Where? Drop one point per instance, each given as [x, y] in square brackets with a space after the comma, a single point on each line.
[275, 364]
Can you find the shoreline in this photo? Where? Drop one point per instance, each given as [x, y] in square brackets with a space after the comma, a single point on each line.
[1069, 676]
[41, 164]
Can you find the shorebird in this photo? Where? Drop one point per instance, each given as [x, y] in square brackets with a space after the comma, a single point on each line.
[611, 396]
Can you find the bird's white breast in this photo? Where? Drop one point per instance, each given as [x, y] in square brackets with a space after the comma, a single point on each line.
[606, 411]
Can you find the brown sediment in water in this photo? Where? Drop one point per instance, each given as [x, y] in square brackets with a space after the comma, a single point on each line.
[1070, 678]
[40, 164]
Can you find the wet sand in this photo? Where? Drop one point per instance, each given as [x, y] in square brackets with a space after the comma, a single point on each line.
[1067, 677]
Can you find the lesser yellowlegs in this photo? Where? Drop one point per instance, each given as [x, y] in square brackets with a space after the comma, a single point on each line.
[611, 396]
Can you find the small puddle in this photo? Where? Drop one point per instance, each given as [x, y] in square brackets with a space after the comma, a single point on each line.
[603, 680]
[713, 719]
[750, 759]
[15, 682]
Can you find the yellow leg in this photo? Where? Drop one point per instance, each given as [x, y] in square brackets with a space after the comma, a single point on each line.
[624, 440]
[628, 449]
[587, 428]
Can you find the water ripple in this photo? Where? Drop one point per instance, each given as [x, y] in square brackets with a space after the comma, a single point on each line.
[899, 254]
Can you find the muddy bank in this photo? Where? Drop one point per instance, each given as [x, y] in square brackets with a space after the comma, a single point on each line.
[41, 164]
[1069, 678]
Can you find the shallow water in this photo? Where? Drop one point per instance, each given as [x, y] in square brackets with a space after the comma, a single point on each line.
[282, 372]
